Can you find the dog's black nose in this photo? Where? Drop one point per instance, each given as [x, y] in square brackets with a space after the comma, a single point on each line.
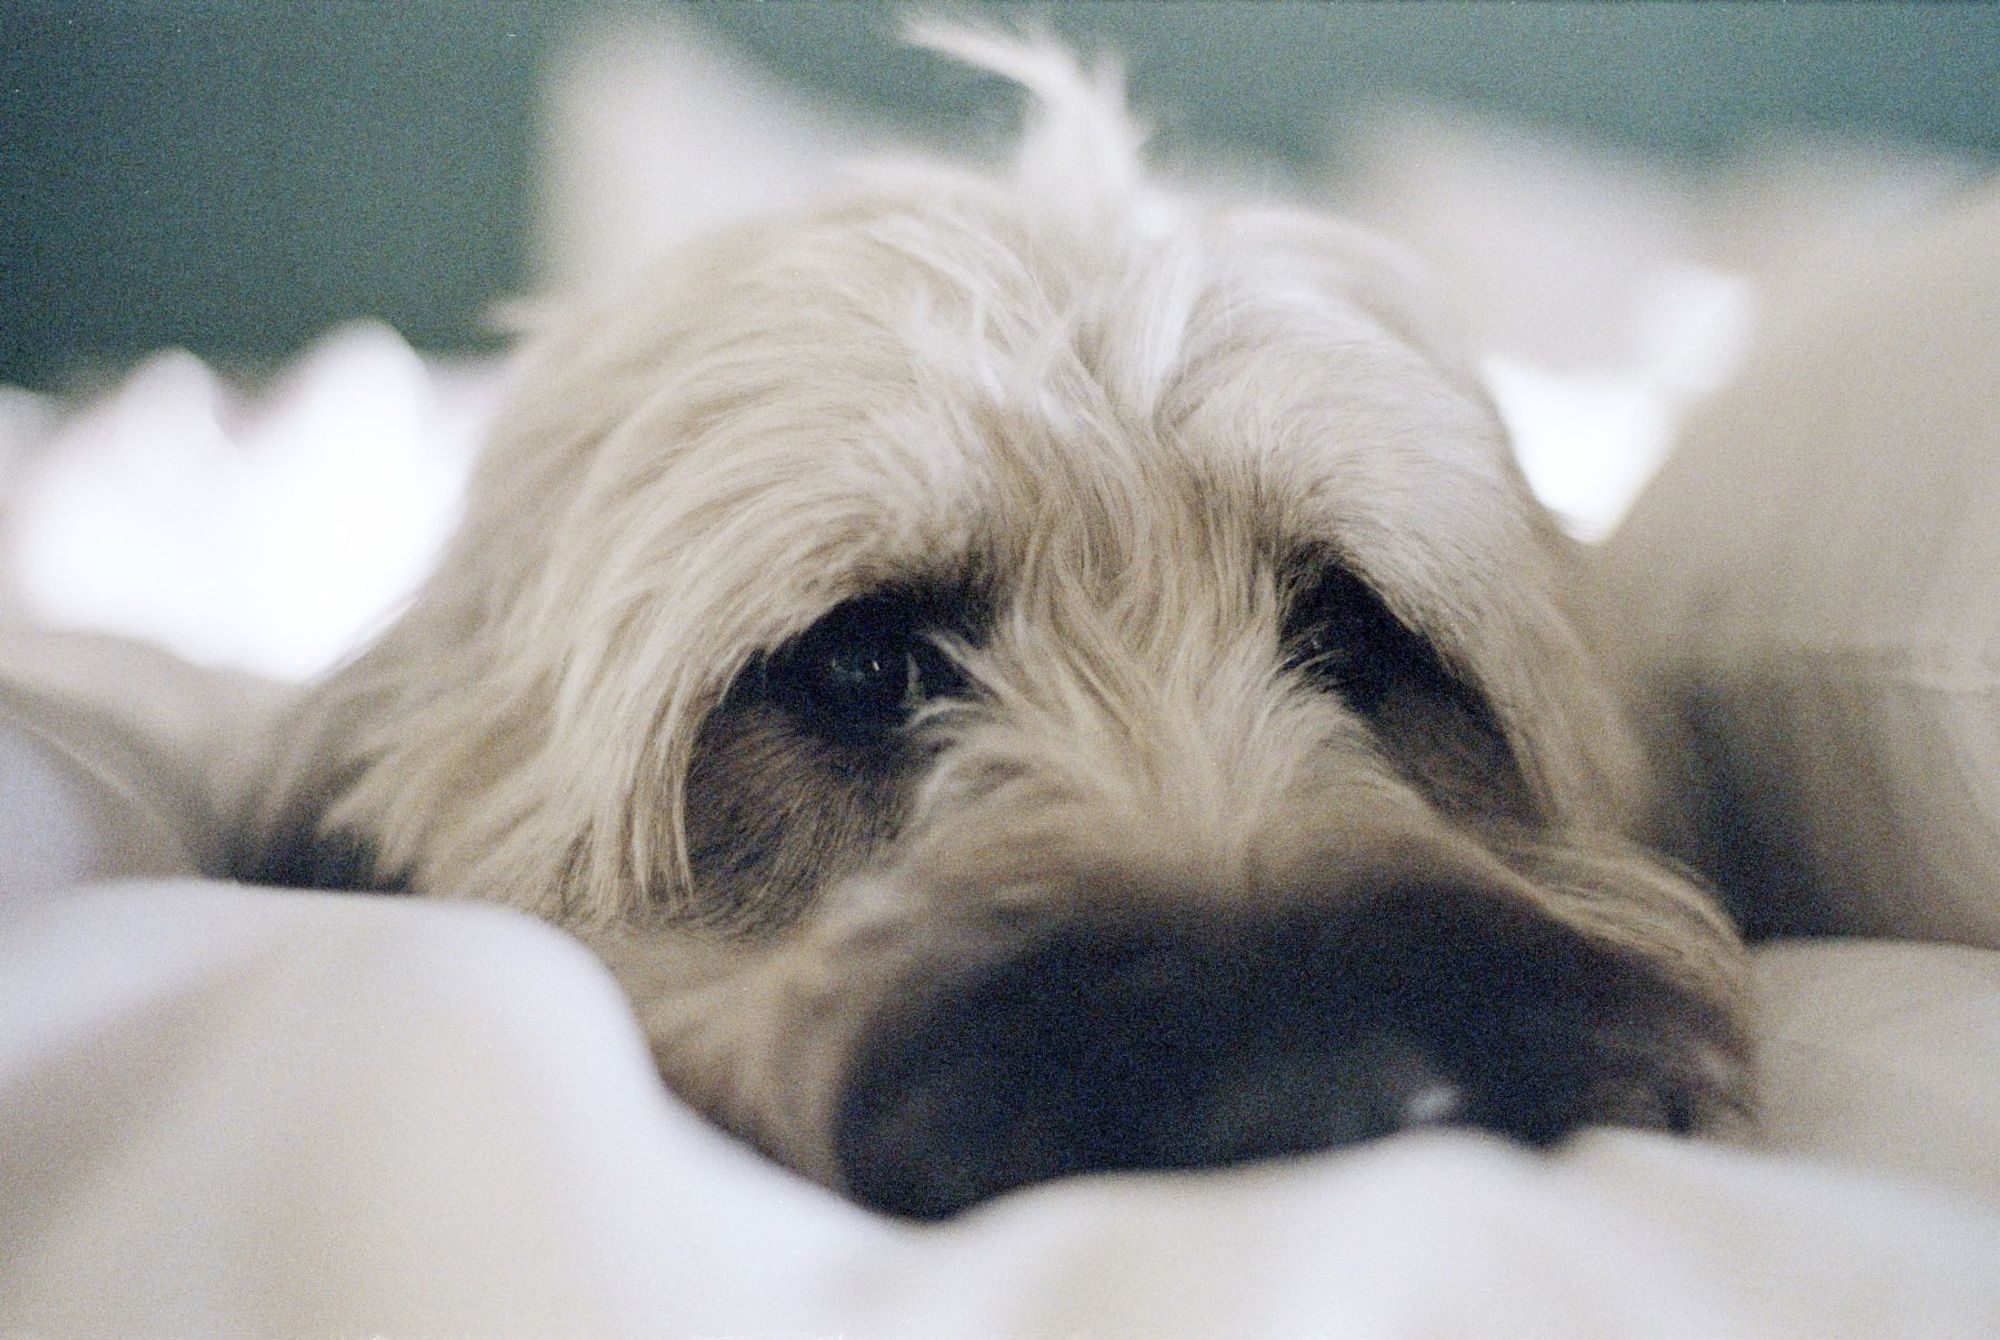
[1106, 1047]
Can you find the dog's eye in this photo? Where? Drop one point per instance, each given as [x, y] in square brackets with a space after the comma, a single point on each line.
[1342, 637]
[859, 673]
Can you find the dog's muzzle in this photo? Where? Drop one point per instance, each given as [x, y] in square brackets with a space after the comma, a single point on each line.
[1197, 1039]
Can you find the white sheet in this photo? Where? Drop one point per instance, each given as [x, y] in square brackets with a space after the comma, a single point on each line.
[230, 1111]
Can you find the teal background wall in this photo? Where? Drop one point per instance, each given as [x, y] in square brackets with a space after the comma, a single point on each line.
[235, 175]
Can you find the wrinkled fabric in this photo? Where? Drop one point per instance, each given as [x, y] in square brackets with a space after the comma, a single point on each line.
[235, 1111]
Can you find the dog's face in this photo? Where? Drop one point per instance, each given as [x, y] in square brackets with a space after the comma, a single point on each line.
[1020, 678]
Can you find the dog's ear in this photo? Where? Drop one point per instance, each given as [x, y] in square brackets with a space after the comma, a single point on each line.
[1564, 725]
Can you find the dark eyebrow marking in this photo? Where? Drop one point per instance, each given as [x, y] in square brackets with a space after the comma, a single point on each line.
[1432, 719]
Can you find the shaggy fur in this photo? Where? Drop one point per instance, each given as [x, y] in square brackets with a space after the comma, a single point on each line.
[930, 643]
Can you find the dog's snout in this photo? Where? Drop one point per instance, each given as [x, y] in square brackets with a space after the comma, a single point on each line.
[1108, 1047]
[1095, 1051]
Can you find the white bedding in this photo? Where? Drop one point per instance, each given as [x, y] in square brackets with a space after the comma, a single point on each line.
[232, 1111]
[237, 1111]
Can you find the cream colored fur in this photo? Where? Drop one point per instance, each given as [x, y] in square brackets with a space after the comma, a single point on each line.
[1119, 404]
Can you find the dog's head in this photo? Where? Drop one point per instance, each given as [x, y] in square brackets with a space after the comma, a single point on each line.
[1029, 674]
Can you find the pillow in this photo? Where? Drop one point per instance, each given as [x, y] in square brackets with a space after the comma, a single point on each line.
[1883, 1055]
[1811, 596]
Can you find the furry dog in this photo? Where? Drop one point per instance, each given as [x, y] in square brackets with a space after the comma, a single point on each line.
[1035, 673]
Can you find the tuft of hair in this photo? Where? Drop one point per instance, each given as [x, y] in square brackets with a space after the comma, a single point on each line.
[1080, 152]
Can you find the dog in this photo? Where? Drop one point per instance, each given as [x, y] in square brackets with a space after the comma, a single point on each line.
[1028, 672]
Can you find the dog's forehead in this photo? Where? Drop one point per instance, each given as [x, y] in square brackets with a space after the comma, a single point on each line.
[967, 390]
[912, 394]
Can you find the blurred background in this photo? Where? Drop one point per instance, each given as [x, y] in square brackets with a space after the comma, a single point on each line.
[252, 251]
